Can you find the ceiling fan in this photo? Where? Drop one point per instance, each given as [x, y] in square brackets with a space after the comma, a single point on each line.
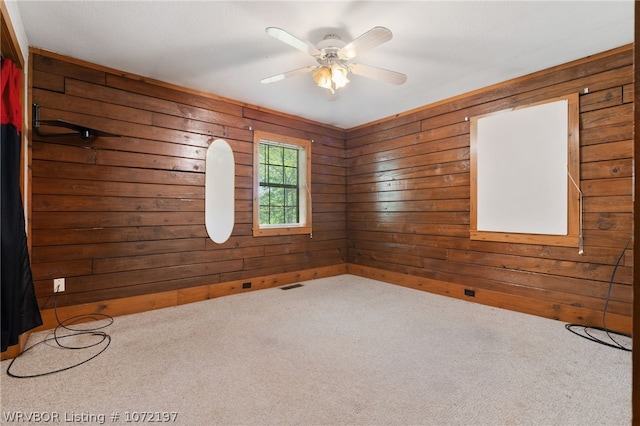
[334, 55]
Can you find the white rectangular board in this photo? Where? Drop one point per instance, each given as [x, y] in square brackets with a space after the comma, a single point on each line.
[522, 179]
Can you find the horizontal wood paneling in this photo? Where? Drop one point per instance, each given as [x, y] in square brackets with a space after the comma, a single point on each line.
[408, 192]
[123, 217]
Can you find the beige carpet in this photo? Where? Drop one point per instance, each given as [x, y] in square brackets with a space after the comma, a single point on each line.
[336, 351]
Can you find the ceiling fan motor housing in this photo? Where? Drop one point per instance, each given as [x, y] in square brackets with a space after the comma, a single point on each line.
[329, 48]
[331, 41]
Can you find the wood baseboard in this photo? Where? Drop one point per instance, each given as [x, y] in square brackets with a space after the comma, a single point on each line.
[542, 308]
[148, 302]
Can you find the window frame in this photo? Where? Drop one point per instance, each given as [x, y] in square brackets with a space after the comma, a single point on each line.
[304, 185]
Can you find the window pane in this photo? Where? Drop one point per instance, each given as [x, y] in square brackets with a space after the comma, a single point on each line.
[276, 175]
[291, 215]
[290, 176]
[264, 196]
[264, 158]
[277, 215]
[276, 155]
[291, 197]
[262, 173]
[277, 197]
[264, 214]
[291, 157]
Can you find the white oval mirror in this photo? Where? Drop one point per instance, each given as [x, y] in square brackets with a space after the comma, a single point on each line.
[219, 195]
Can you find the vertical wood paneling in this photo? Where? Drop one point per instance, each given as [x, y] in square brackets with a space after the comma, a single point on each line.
[408, 192]
[120, 217]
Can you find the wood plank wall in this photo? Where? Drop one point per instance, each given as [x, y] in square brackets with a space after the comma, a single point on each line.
[122, 217]
[408, 192]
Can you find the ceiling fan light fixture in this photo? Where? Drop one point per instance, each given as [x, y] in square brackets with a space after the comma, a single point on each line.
[331, 77]
[322, 77]
[339, 76]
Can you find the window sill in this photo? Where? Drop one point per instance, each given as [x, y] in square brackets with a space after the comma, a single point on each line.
[281, 230]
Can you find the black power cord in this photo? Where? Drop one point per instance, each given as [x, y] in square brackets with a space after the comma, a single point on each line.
[587, 332]
[75, 332]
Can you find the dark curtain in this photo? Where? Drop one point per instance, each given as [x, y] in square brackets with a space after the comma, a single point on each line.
[20, 310]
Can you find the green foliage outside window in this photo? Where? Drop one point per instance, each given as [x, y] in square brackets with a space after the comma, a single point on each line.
[278, 177]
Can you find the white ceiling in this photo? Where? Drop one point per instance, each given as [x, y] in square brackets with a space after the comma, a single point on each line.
[446, 48]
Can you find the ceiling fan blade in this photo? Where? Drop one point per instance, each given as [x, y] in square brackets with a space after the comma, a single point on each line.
[287, 74]
[372, 38]
[378, 73]
[291, 40]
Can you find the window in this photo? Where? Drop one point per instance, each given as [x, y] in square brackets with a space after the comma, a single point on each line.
[281, 190]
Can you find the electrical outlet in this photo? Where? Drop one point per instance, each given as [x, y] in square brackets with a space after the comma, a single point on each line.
[58, 285]
[246, 285]
[469, 292]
